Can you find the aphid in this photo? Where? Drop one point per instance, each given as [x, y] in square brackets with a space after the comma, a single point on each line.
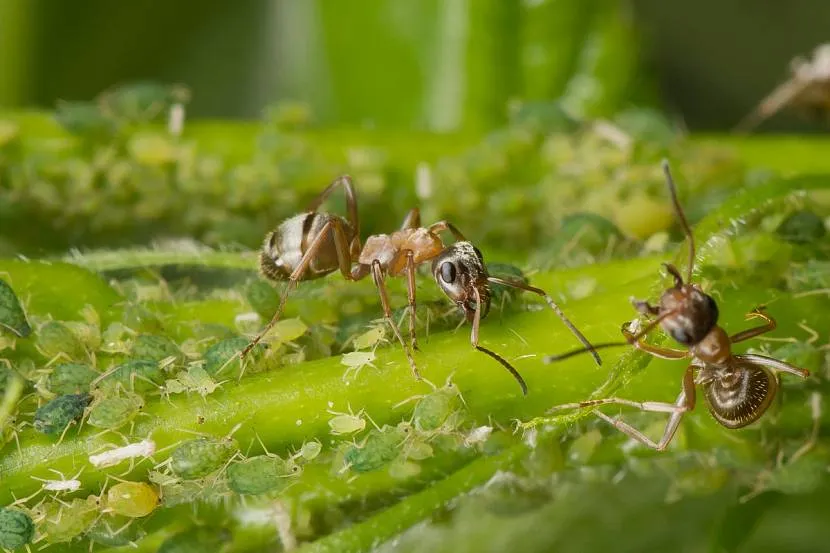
[261, 474]
[65, 521]
[346, 423]
[478, 436]
[196, 540]
[114, 412]
[314, 244]
[194, 379]
[56, 340]
[115, 531]
[309, 451]
[16, 528]
[137, 374]
[154, 348]
[144, 448]
[70, 378]
[12, 316]
[354, 361]
[807, 89]
[62, 485]
[433, 410]
[369, 339]
[737, 389]
[223, 356]
[132, 499]
[85, 120]
[202, 456]
[381, 447]
[55, 416]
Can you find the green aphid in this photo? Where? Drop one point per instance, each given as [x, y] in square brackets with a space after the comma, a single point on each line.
[507, 272]
[262, 297]
[114, 412]
[154, 348]
[583, 237]
[12, 316]
[137, 374]
[802, 227]
[196, 540]
[16, 529]
[380, 448]
[70, 378]
[55, 338]
[64, 521]
[223, 357]
[55, 416]
[433, 410]
[85, 119]
[202, 456]
[261, 474]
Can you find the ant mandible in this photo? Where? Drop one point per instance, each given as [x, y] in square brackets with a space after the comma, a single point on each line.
[313, 244]
[737, 389]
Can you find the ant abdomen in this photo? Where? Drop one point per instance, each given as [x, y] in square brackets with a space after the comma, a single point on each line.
[695, 314]
[740, 395]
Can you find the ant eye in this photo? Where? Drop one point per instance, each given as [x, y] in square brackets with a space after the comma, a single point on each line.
[448, 272]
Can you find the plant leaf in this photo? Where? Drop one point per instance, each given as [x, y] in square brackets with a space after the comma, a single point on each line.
[11, 312]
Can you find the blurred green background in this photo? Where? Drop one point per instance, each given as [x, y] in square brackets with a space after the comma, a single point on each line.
[431, 64]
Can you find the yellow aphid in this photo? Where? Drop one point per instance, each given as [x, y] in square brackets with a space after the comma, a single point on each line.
[132, 499]
[288, 330]
[370, 338]
[642, 216]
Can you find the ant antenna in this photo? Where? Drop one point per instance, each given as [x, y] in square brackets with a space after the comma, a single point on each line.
[494, 355]
[631, 339]
[678, 209]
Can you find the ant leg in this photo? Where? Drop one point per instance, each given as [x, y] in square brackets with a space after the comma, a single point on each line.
[768, 326]
[672, 270]
[685, 402]
[314, 247]
[575, 331]
[412, 219]
[656, 351]
[775, 365]
[782, 95]
[410, 292]
[445, 225]
[351, 200]
[377, 275]
[494, 355]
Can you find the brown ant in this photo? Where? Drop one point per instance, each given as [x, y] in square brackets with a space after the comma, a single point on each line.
[808, 89]
[738, 389]
[313, 244]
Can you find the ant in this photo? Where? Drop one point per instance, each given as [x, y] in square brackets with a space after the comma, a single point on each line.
[313, 244]
[737, 389]
[808, 89]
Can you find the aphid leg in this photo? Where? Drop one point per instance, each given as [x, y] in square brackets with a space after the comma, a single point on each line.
[344, 259]
[556, 309]
[685, 402]
[377, 276]
[768, 326]
[656, 351]
[494, 355]
[815, 409]
[410, 294]
[776, 365]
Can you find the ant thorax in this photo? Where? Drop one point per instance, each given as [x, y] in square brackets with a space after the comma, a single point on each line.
[693, 313]
[386, 248]
[283, 248]
[714, 349]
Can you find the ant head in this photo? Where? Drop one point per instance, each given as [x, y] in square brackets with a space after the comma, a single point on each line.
[695, 313]
[460, 272]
